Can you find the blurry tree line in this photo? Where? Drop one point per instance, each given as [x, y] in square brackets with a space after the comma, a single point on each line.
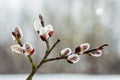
[75, 22]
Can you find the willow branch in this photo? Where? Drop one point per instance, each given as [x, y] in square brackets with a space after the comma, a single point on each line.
[46, 54]
[53, 59]
[48, 51]
[54, 45]
[99, 48]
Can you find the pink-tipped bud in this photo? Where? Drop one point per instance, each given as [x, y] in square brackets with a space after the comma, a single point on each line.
[49, 30]
[96, 53]
[82, 48]
[29, 50]
[17, 33]
[66, 52]
[17, 49]
[37, 25]
[73, 58]
[43, 34]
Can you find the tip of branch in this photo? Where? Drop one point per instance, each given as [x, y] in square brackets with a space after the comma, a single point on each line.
[101, 47]
[58, 40]
[105, 44]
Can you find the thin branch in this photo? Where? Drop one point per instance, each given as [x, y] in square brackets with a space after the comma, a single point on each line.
[31, 61]
[47, 53]
[40, 64]
[54, 45]
[53, 59]
[47, 49]
[99, 48]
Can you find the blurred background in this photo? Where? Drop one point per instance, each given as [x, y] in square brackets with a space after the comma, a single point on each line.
[74, 21]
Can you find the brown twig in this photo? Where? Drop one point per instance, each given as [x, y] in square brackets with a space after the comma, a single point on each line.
[48, 52]
[99, 48]
[53, 59]
[54, 45]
